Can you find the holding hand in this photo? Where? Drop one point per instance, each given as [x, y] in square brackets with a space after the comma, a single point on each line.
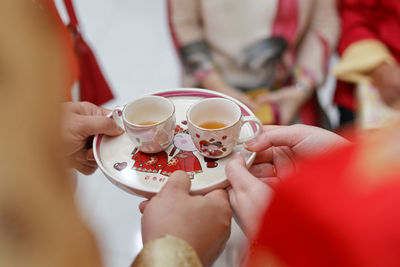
[242, 97]
[202, 221]
[80, 121]
[289, 100]
[248, 195]
[278, 148]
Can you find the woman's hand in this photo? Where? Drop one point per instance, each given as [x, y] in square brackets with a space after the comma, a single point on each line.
[242, 97]
[279, 148]
[289, 101]
[215, 82]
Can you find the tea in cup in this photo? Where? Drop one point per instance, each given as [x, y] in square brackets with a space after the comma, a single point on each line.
[215, 124]
[149, 122]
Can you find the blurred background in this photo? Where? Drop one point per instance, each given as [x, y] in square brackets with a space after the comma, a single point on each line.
[131, 40]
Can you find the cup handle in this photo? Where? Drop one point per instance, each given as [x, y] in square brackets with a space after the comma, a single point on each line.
[117, 116]
[249, 119]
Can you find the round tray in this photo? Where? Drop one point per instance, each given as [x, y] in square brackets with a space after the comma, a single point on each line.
[145, 174]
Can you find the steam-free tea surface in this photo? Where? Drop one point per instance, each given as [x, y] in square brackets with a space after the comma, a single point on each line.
[213, 125]
[145, 174]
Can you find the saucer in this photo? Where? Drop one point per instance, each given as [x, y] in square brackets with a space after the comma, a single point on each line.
[145, 174]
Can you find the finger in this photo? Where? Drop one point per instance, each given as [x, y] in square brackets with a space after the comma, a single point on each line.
[100, 125]
[250, 104]
[238, 175]
[81, 158]
[272, 182]
[143, 205]
[264, 156]
[84, 169]
[262, 98]
[270, 98]
[283, 136]
[284, 162]
[81, 108]
[90, 155]
[179, 181]
[263, 170]
[218, 195]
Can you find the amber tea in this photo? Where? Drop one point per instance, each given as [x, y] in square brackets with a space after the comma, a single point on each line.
[147, 123]
[212, 125]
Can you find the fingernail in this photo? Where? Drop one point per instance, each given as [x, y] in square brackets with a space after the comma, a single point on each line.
[250, 143]
[90, 155]
[120, 130]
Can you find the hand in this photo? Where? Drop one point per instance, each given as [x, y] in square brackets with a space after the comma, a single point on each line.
[242, 97]
[278, 148]
[386, 77]
[289, 100]
[80, 121]
[202, 221]
[215, 82]
[248, 195]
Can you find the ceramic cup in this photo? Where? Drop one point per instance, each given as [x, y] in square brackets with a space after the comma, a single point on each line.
[215, 125]
[148, 121]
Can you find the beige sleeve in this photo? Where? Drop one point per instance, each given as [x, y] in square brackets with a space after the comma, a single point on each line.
[167, 251]
[186, 21]
[319, 40]
[39, 223]
[360, 58]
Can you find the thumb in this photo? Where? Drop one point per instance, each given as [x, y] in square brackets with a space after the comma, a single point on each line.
[179, 181]
[278, 136]
[101, 125]
[238, 174]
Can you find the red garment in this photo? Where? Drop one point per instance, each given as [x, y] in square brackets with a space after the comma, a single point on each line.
[333, 214]
[82, 65]
[184, 161]
[92, 84]
[151, 163]
[72, 67]
[367, 19]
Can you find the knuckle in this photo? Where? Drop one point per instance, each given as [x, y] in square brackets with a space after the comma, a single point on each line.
[230, 167]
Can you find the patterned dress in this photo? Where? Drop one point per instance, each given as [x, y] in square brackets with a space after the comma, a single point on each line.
[184, 161]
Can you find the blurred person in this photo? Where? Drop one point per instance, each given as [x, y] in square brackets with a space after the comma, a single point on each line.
[369, 65]
[39, 223]
[270, 55]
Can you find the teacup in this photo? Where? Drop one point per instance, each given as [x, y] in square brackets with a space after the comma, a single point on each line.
[148, 121]
[215, 125]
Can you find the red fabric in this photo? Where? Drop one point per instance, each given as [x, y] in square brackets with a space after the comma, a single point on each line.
[368, 19]
[171, 28]
[309, 112]
[184, 161]
[286, 20]
[72, 72]
[93, 86]
[151, 163]
[345, 95]
[329, 214]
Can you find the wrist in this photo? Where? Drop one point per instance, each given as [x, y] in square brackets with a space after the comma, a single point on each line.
[167, 251]
[305, 89]
[305, 81]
